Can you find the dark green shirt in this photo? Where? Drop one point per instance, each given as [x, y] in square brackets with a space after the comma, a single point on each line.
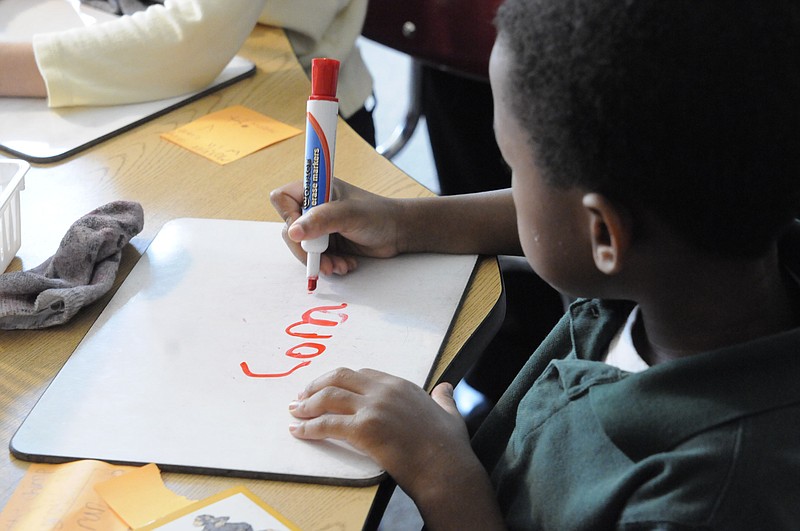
[707, 442]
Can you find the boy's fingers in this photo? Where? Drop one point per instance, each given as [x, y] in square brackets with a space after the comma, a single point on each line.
[340, 265]
[328, 400]
[342, 377]
[327, 426]
[343, 217]
[288, 201]
[295, 232]
[442, 394]
[293, 246]
[318, 221]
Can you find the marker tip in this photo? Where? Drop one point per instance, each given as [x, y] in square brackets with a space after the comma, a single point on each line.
[312, 284]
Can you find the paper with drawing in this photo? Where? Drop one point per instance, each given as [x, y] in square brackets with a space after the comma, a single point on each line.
[230, 134]
[193, 363]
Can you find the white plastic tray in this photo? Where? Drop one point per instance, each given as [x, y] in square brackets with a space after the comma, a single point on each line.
[12, 182]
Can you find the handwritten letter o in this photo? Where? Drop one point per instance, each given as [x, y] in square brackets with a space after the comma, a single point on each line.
[306, 350]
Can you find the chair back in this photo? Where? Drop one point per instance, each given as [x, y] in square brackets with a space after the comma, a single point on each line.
[454, 35]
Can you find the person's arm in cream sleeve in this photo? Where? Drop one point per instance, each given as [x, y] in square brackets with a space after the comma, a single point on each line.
[157, 53]
[331, 32]
[180, 47]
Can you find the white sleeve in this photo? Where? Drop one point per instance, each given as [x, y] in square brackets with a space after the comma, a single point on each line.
[158, 53]
[334, 26]
[327, 28]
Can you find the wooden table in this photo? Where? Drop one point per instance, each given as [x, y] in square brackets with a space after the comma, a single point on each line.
[171, 182]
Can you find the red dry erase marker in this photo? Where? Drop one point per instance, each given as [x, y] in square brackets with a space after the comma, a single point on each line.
[322, 111]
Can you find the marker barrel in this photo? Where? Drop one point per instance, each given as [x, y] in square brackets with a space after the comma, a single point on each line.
[322, 115]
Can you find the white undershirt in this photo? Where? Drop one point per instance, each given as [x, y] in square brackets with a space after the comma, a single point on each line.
[621, 351]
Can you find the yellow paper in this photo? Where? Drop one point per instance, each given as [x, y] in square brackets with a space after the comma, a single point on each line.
[230, 134]
[139, 497]
[234, 508]
[62, 497]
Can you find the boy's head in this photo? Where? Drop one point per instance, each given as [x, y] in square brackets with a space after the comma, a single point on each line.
[685, 110]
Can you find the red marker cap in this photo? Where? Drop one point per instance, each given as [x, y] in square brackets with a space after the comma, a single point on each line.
[324, 78]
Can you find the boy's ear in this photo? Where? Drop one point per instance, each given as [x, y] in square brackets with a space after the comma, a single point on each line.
[610, 232]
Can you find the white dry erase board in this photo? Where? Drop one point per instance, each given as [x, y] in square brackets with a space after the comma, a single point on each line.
[194, 361]
[30, 130]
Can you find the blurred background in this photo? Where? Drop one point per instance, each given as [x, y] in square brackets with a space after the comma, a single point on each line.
[391, 70]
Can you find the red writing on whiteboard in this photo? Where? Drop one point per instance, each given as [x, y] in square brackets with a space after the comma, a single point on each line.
[306, 328]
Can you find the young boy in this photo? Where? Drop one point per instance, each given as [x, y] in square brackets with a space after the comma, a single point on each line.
[655, 150]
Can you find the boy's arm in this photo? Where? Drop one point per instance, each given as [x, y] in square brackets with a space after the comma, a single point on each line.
[26, 81]
[463, 498]
[365, 224]
[420, 440]
[482, 223]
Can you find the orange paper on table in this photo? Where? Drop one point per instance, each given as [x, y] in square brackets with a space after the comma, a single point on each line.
[230, 134]
[140, 497]
[62, 497]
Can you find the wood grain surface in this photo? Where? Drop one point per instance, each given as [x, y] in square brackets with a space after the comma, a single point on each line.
[171, 182]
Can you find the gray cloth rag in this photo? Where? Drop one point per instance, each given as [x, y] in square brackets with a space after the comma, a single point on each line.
[82, 270]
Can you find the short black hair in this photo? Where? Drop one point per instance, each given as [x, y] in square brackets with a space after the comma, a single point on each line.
[687, 108]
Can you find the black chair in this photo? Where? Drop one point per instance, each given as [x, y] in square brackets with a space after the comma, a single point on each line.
[454, 35]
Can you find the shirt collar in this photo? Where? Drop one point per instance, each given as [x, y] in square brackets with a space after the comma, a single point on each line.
[652, 411]
[655, 410]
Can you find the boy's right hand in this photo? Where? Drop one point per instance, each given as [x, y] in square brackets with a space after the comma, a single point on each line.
[360, 224]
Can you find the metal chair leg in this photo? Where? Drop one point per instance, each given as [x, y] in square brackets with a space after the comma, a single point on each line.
[402, 133]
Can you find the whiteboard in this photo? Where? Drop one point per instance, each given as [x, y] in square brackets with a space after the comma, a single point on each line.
[20, 19]
[31, 130]
[159, 376]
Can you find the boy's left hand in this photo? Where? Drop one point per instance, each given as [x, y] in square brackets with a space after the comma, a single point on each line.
[412, 435]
